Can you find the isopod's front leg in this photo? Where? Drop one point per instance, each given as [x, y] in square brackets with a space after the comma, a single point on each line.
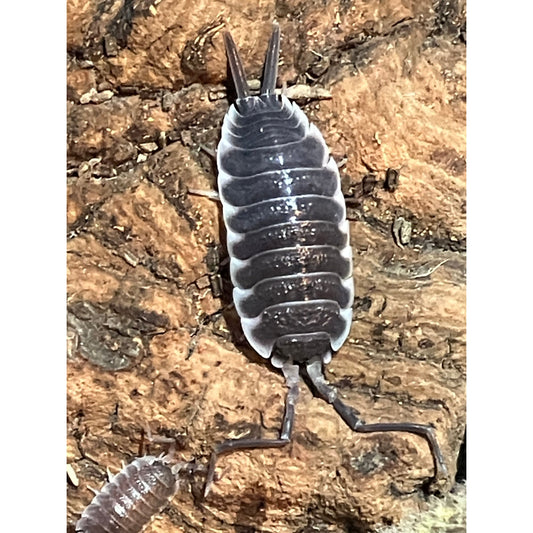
[211, 152]
[157, 439]
[292, 378]
[180, 469]
[352, 419]
[212, 195]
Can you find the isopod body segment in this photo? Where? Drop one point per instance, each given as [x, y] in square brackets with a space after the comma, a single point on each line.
[288, 242]
[285, 215]
[131, 498]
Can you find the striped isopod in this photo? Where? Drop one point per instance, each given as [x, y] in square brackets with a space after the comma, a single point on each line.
[131, 498]
[288, 242]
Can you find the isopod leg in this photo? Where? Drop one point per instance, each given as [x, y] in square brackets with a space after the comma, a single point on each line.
[292, 377]
[270, 69]
[212, 195]
[352, 419]
[157, 439]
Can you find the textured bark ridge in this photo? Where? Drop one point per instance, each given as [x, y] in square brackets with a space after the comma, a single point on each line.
[152, 338]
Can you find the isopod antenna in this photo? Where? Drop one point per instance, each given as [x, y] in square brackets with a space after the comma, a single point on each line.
[270, 68]
[354, 422]
[237, 70]
[292, 379]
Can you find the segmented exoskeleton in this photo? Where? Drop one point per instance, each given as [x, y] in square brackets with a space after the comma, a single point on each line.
[288, 241]
[131, 498]
[287, 233]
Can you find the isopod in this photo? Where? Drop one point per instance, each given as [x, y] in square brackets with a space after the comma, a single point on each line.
[131, 498]
[288, 242]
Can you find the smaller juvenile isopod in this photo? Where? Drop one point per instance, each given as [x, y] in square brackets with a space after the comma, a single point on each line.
[131, 498]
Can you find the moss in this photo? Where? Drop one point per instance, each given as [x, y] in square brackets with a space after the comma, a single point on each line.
[443, 515]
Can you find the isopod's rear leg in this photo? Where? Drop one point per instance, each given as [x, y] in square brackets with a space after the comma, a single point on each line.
[352, 419]
[292, 378]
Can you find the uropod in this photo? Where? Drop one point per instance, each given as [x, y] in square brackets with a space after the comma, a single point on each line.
[288, 242]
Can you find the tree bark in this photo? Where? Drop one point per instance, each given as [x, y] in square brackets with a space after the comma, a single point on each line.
[153, 338]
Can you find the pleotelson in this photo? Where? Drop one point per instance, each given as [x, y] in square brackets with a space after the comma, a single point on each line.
[287, 234]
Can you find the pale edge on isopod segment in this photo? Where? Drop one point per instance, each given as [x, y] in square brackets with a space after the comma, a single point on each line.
[131, 498]
[285, 218]
[233, 238]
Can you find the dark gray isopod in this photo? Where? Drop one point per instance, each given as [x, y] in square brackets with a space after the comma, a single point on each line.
[131, 498]
[288, 242]
[287, 233]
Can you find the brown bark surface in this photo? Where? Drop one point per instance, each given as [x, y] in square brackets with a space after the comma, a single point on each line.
[151, 337]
